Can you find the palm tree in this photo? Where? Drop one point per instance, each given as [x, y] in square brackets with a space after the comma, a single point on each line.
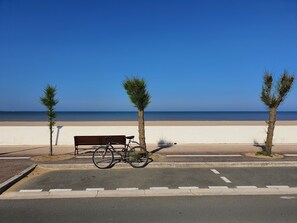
[49, 101]
[140, 97]
[272, 97]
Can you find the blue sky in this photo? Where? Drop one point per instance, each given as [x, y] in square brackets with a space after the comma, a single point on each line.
[195, 55]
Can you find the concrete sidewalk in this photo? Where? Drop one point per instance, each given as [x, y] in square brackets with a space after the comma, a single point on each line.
[19, 151]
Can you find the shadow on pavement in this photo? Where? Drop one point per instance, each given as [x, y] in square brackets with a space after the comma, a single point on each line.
[17, 151]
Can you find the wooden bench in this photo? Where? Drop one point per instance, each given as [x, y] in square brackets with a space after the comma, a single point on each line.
[97, 141]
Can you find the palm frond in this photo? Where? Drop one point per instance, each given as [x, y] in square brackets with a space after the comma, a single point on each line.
[266, 88]
[49, 101]
[273, 97]
[284, 85]
[137, 91]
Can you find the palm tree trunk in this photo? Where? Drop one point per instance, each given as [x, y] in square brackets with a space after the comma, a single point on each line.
[51, 139]
[271, 126]
[141, 130]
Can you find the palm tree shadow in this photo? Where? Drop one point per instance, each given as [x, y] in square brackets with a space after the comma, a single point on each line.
[161, 147]
[262, 146]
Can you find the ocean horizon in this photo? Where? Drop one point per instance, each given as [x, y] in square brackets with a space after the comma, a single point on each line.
[37, 116]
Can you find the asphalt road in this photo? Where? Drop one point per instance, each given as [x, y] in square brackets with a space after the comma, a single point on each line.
[224, 209]
[172, 178]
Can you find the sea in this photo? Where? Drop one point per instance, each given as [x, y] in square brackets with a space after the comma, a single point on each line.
[149, 116]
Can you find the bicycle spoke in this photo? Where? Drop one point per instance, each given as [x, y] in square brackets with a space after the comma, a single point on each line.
[138, 157]
[103, 157]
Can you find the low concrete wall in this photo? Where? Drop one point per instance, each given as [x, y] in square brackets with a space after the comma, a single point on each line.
[63, 135]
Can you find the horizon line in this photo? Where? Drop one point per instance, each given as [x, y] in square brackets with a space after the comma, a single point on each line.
[149, 111]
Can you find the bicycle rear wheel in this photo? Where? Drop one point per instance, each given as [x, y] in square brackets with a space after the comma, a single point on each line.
[103, 157]
[138, 157]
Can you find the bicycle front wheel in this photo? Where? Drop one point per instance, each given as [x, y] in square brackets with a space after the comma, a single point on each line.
[138, 157]
[103, 157]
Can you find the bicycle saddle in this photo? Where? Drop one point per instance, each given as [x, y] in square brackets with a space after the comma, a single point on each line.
[129, 137]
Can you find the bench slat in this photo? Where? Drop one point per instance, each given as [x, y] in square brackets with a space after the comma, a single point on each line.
[98, 140]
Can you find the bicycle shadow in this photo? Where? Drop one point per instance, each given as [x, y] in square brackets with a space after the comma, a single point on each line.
[118, 160]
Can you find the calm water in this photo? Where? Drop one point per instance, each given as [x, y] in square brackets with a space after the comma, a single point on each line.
[149, 116]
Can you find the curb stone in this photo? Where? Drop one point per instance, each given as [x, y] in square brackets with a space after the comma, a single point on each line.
[8, 183]
[180, 165]
[150, 193]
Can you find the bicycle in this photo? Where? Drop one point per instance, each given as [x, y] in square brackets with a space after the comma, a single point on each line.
[104, 156]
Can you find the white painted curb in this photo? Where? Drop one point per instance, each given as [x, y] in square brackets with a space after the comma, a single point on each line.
[8, 183]
[149, 193]
[180, 165]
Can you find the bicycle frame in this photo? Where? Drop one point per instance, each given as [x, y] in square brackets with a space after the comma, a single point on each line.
[124, 151]
[113, 152]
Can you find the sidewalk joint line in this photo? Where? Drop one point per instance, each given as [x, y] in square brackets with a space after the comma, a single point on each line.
[128, 188]
[31, 190]
[94, 189]
[195, 155]
[158, 188]
[14, 157]
[246, 187]
[189, 187]
[218, 187]
[288, 197]
[277, 186]
[83, 157]
[60, 190]
[290, 154]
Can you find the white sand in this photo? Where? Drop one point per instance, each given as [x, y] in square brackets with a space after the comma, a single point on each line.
[151, 123]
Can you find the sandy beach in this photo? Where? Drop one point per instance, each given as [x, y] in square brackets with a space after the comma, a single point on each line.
[151, 123]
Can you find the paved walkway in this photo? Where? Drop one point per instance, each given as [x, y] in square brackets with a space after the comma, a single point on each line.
[177, 149]
[14, 159]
